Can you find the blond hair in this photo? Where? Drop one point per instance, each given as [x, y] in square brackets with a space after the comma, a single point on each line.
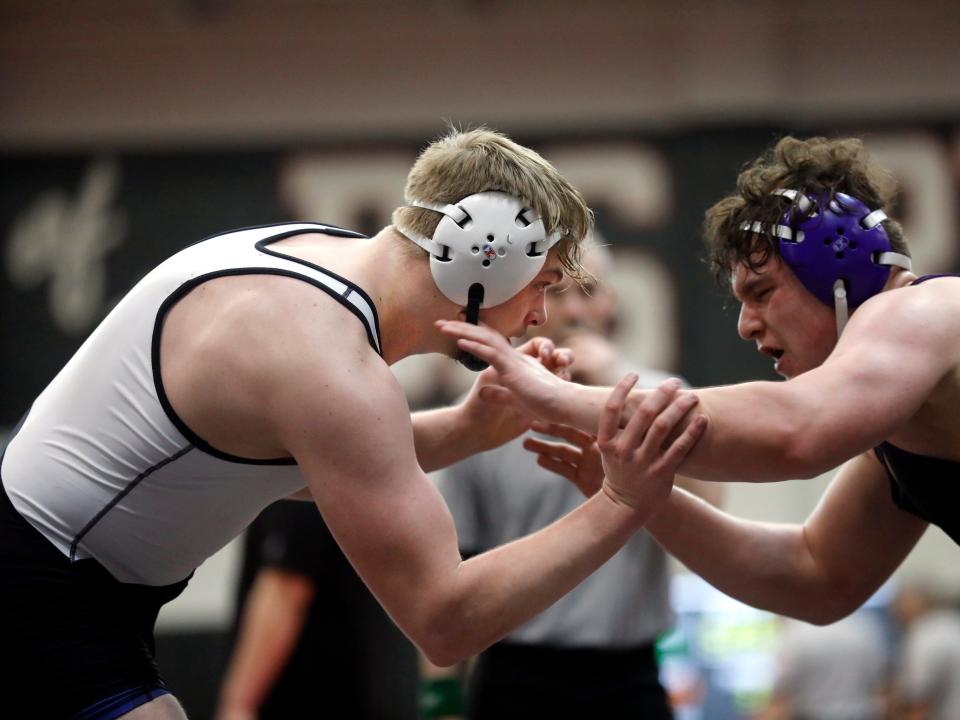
[461, 163]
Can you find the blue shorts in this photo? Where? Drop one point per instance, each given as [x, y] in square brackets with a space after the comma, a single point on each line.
[80, 643]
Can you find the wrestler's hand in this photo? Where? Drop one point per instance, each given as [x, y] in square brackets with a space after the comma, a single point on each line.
[578, 459]
[498, 422]
[522, 380]
[641, 459]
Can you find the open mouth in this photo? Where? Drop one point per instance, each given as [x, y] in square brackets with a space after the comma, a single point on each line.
[772, 352]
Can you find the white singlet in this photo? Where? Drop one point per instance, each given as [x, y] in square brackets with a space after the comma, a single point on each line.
[103, 467]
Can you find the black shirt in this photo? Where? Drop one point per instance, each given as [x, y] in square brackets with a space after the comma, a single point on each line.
[351, 661]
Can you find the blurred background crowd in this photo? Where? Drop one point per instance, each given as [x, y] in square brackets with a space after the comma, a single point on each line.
[132, 128]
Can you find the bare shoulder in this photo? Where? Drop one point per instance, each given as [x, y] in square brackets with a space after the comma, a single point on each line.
[926, 309]
[236, 352]
[914, 328]
[898, 364]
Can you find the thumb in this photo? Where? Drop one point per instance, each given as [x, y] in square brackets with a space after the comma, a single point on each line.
[496, 394]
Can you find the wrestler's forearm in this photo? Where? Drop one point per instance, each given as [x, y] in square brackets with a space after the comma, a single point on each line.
[580, 406]
[765, 565]
[757, 432]
[495, 592]
[751, 437]
[442, 437]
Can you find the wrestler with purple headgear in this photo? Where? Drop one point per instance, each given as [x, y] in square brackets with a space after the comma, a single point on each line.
[871, 354]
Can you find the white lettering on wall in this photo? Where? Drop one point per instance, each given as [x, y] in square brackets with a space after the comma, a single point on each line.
[634, 183]
[921, 164]
[64, 240]
[338, 189]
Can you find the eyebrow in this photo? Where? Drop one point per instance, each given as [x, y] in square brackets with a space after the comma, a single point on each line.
[555, 273]
[748, 287]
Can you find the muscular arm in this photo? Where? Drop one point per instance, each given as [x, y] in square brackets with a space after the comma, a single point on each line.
[896, 349]
[887, 363]
[819, 571]
[443, 436]
[711, 492]
[346, 422]
[272, 620]
[447, 435]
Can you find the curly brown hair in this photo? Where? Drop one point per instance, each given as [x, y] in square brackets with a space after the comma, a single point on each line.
[817, 165]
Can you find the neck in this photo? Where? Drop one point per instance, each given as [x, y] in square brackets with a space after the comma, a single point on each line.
[408, 301]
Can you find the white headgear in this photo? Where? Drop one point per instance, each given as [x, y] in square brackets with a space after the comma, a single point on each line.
[490, 239]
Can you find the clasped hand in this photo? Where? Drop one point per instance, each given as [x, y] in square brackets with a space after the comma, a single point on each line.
[635, 465]
[488, 407]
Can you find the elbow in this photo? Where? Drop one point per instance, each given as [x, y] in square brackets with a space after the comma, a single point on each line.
[443, 634]
[442, 657]
[826, 613]
[833, 603]
[443, 646]
[803, 455]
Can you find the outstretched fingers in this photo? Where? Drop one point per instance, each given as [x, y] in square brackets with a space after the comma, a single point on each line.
[609, 424]
[556, 360]
[638, 460]
[668, 422]
[477, 340]
[565, 432]
[647, 414]
[473, 333]
[559, 451]
[678, 450]
[570, 462]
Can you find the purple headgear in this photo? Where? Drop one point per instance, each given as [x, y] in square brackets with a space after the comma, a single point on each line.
[836, 246]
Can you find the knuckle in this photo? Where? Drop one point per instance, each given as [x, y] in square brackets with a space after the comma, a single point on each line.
[682, 447]
[645, 415]
[661, 425]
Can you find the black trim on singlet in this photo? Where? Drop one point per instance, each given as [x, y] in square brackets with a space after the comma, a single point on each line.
[924, 278]
[375, 338]
[120, 496]
[179, 293]
[10, 437]
[261, 245]
[320, 228]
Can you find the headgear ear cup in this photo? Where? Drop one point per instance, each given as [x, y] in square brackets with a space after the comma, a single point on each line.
[490, 240]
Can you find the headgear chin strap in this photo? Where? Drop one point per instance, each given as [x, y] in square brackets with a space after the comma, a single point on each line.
[836, 246]
[486, 249]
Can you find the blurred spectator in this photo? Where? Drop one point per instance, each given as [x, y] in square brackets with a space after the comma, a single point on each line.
[927, 683]
[830, 672]
[311, 640]
[592, 653]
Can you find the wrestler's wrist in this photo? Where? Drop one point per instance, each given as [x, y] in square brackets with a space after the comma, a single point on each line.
[573, 404]
[632, 511]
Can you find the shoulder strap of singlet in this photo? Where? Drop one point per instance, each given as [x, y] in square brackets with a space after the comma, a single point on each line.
[347, 293]
[924, 278]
